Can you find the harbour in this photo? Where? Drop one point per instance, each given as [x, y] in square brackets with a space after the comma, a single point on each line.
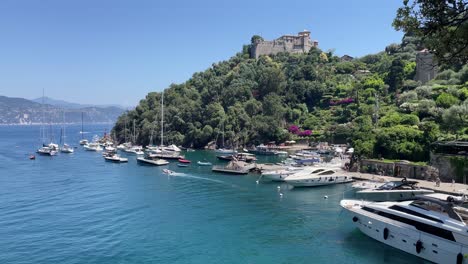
[106, 212]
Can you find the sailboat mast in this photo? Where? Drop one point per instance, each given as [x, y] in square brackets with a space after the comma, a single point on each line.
[134, 135]
[82, 125]
[162, 118]
[42, 132]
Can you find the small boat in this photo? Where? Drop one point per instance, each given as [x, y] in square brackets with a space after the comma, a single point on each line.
[204, 163]
[182, 165]
[115, 158]
[184, 161]
[166, 171]
[32, 157]
[234, 167]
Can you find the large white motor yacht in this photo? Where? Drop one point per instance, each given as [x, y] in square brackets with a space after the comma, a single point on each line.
[318, 177]
[281, 174]
[432, 227]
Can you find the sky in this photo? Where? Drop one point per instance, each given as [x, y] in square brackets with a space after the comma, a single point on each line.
[115, 52]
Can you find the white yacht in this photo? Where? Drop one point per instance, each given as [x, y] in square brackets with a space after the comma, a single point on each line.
[318, 177]
[393, 191]
[92, 147]
[281, 174]
[47, 151]
[432, 227]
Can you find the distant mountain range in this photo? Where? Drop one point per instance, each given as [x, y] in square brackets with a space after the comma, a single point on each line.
[23, 111]
[65, 104]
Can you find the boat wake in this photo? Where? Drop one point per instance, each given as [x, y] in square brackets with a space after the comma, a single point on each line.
[185, 175]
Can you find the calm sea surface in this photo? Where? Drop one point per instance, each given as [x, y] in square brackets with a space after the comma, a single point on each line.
[77, 208]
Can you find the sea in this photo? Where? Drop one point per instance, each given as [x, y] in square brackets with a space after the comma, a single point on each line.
[77, 208]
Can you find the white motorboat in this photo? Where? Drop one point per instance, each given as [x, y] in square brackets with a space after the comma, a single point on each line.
[432, 227]
[225, 151]
[92, 147]
[318, 177]
[67, 149]
[124, 146]
[115, 158]
[84, 142]
[137, 150]
[151, 161]
[110, 148]
[393, 191]
[281, 174]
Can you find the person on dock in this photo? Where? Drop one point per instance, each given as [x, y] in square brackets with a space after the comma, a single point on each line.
[437, 181]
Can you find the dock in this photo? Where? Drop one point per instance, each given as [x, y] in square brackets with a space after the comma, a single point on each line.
[445, 187]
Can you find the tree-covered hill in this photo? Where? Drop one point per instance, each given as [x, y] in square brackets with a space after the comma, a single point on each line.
[371, 102]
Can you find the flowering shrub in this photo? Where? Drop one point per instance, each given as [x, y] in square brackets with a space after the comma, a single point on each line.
[293, 129]
[297, 131]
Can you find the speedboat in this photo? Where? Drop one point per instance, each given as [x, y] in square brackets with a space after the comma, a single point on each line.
[67, 149]
[432, 227]
[318, 177]
[92, 147]
[166, 171]
[393, 191]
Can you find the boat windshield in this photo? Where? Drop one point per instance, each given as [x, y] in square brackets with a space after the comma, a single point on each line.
[317, 171]
[388, 186]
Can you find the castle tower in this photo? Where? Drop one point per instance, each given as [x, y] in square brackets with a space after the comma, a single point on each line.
[426, 67]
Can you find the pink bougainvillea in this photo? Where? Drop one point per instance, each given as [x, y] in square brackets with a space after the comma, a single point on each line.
[297, 131]
[293, 129]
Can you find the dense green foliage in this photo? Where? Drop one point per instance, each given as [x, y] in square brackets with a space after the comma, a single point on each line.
[371, 102]
[441, 24]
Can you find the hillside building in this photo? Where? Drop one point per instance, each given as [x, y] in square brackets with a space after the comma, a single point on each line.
[286, 43]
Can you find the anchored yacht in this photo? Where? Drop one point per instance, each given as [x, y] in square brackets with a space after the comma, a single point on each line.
[318, 177]
[432, 227]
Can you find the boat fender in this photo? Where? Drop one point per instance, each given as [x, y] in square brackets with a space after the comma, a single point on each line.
[385, 233]
[419, 246]
[355, 219]
[459, 258]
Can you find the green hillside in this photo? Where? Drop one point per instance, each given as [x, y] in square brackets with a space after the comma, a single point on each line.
[371, 102]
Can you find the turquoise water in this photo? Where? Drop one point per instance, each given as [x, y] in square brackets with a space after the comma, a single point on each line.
[80, 209]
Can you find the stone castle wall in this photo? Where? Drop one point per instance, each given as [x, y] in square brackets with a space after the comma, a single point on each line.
[287, 43]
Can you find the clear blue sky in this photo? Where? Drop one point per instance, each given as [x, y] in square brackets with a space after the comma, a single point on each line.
[115, 52]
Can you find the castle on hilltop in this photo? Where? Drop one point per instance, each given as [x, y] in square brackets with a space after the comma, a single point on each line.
[286, 43]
